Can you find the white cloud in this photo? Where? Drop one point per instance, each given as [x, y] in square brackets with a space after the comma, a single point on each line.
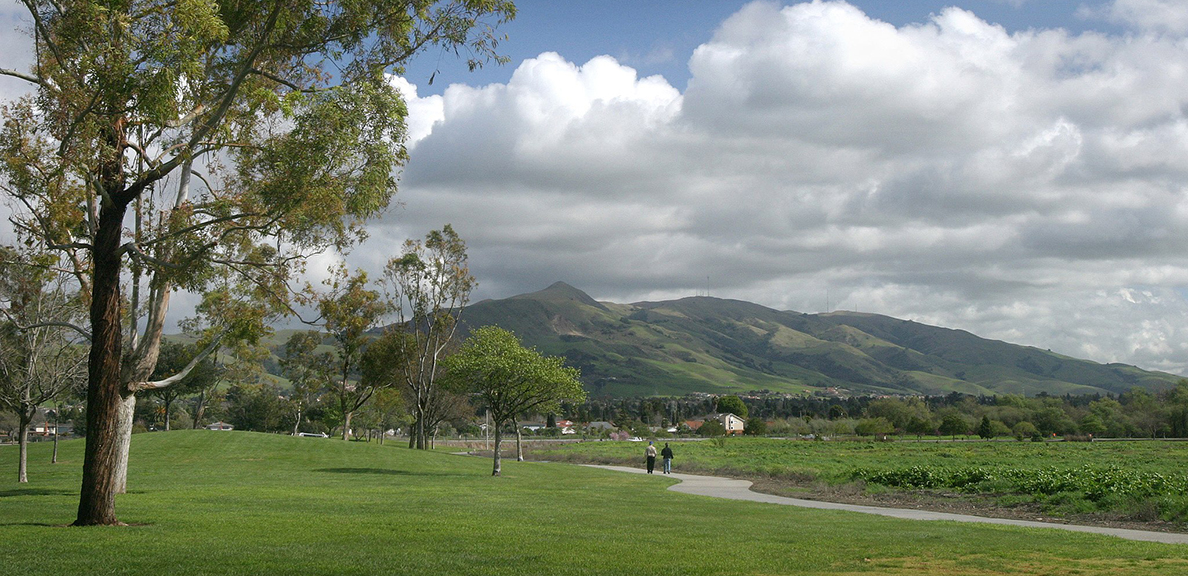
[1167, 16]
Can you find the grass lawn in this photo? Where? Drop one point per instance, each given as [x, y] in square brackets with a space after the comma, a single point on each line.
[241, 503]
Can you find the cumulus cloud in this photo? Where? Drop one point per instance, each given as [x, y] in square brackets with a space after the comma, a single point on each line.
[1028, 186]
[1167, 16]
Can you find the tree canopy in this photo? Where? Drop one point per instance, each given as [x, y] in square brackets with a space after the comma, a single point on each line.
[510, 379]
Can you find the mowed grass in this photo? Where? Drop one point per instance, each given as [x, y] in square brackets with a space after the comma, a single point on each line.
[242, 503]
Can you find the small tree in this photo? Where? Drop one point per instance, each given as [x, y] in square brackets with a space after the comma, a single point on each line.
[755, 427]
[985, 429]
[953, 424]
[510, 379]
[308, 371]
[350, 310]
[919, 426]
[711, 429]
[39, 358]
[1025, 429]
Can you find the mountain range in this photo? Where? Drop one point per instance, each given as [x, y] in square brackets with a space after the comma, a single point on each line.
[713, 345]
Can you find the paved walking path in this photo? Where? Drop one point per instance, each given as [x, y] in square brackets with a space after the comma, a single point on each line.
[741, 490]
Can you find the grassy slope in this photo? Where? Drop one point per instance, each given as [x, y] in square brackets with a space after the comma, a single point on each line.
[241, 503]
[714, 345]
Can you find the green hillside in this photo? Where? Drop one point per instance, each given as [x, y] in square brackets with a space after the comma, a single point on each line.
[713, 345]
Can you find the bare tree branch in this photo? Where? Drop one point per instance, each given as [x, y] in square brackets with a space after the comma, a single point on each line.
[167, 382]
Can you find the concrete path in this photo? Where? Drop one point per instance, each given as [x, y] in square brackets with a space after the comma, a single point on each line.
[741, 490]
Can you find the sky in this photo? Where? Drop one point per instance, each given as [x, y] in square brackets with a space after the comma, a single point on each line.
[1014, 168]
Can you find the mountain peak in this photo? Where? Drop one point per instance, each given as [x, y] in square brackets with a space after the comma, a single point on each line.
[560, 291]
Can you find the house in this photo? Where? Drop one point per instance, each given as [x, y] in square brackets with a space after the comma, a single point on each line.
[600, 425]
[49, 428]
[733, 424]
[220, 425]
[694, 425]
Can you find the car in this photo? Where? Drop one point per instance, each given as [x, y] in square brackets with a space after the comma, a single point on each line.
[313, 434]
[635, 439]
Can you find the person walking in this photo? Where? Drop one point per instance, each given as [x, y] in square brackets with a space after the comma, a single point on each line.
[666, 453]
[650, 454]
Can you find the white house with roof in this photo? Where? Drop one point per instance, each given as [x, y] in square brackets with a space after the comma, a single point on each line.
[734, 425]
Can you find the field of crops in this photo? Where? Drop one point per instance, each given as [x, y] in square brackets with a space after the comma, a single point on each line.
[1139, 480]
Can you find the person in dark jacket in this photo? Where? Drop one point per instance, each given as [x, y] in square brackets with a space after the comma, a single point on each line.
[650, 454]
[666, 454]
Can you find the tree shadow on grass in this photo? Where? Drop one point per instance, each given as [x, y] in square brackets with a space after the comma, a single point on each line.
[34, 492]
[384, 472]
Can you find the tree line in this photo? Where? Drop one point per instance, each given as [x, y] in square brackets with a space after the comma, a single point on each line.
[1137, 413]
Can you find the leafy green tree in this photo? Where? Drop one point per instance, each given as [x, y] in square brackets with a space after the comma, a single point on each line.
[308, 371]
[953, 424]
[733, 405]
[874, 427]
[711, 428]
[1025, 429]
[985, 430]
[898, 412]
[755, 427]
[920, 426]
[136, 100]
[257, 407]
[173, 359]
[349, 311]
[510, 379]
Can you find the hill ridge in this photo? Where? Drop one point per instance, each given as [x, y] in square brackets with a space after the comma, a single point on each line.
[715, 345]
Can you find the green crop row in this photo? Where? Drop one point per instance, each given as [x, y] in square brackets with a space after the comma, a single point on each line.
[1092, 482]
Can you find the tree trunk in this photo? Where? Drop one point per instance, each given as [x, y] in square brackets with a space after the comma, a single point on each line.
[97, 497]
[519, 443]
[200, 411]
[54, 459]
[346, 425]
[498, 439]
[297, 424]
[127, 413]
[23, 438]
[168, 404]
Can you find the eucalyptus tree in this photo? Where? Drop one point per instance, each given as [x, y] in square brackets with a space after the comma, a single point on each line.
[309, 371]
[239, 136]
[40, 357]
[510, 379]
[428, 285]
[349, 311]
